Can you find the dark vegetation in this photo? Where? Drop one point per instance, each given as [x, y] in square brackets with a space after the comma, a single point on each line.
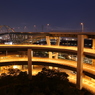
[46, 82]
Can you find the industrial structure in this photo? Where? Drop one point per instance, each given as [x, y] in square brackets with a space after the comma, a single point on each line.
[28, 42]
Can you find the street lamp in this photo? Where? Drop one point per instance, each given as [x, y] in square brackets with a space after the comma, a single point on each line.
[47, 27]
[82, 25]
[25, 28]
[35, 28]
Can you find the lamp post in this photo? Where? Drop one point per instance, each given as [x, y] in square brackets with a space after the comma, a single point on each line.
[47, 27]
[82, 25]
[25, 28]
[35, 28]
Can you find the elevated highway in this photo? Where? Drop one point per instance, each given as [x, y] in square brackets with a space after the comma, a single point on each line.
[31, 37]
[54, 48]
[66, 64]
[79, 50]
[62, 63]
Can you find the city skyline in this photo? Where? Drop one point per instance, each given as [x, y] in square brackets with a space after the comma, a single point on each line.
[45, 15]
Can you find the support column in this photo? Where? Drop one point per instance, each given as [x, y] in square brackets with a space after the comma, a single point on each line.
[6, 53]
[58, 41]
[80, 61]
[14, 37]
[93, 62]
[11, 36]
[32, 53]
[29, 63]
[22, 67]
[23, 37]
[48, 43]
[56, 56]
[48, 40]
[53, 55]
[93, 43]
[50, 54]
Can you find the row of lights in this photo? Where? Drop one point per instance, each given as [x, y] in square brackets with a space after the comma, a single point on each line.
[82, 28]
[43, 27]
[35, 26]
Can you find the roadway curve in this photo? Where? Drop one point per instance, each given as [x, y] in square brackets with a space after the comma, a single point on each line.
[68, 49]
[87, 84]
[87, 51]
[89, 70]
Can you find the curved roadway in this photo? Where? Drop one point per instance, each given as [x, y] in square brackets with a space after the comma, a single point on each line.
[55, 48]
[68, 64]
[87, 84]
[88, 69]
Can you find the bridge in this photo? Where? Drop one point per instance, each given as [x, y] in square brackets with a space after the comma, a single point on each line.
[53, 50]
[67, 64]
[88, 69]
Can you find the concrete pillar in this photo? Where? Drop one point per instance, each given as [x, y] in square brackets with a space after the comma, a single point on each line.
[93, 62]
[22, 67]
[30, 63]
[56, 55]
[48, 40]
[53, 55]
[80, 61]
[11, 36]
[50, 54]
[93, 43]
[32, 53]
[58, 41]
[6, 53]
[28, 36]
[24, 37]
[14, 37]
[48, 43]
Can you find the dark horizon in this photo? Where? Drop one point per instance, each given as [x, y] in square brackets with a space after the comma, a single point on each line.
[38, 15]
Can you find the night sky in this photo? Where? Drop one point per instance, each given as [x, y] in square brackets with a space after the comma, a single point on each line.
[34, 15]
